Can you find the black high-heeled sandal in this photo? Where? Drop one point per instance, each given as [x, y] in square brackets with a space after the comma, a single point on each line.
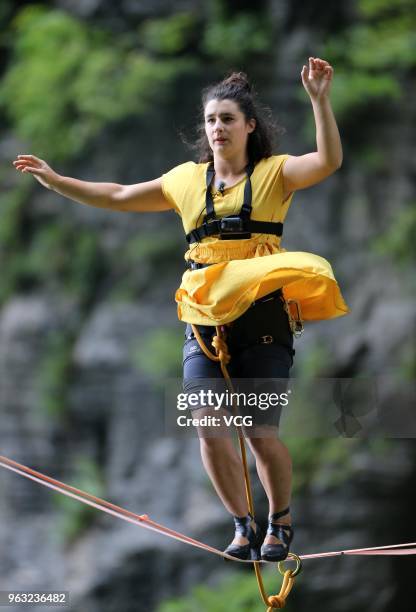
[252, 549]
[277, 552]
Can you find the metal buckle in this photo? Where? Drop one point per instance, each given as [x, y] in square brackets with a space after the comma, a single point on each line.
[194, 265]
[295, 319]
[266, 340]
[290, 557]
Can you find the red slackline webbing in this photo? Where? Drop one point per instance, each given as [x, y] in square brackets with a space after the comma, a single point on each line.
[143, 520]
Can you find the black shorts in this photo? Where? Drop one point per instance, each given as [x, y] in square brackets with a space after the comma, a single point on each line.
[260, 344]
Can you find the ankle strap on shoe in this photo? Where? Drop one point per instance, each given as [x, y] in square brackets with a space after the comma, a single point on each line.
[282, 532]
[277, 515]
[242, 524]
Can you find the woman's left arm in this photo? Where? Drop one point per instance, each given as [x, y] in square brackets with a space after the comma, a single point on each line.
[306, 170]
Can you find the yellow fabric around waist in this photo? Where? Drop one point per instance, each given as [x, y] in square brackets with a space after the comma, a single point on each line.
[213, 250]
[222, 292]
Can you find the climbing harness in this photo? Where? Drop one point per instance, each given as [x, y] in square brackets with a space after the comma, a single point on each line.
[238, 227]
[273, 601]
[291, 307]
[231, 227]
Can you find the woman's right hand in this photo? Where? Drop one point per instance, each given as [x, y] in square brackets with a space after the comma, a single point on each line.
[141, 197]
[39, 168]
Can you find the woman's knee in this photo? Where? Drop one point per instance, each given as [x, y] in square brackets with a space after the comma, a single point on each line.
[265, 447]
[210, 427]
[216, 444]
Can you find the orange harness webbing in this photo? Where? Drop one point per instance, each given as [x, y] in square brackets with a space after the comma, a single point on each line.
[222, 355]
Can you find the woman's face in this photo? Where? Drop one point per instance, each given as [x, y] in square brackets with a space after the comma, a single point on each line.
[226, 127]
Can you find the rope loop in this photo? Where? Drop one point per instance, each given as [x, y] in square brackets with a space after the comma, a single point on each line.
[279, 601]
[221, 349]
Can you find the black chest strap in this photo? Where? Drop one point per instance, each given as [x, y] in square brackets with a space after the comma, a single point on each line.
[209, 202]
[232, 227]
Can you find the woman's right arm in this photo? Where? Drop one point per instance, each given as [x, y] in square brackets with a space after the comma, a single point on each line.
[141, 197]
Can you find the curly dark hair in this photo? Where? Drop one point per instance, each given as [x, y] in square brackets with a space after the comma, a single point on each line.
[237, 88]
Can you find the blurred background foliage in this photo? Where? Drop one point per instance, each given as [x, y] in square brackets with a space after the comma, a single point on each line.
[76, 100]
[237, 593]
[55, 96]
[142, 67]
[66, 80]
[73, 518]
[398, 241]
[156, 353]
[373, 55]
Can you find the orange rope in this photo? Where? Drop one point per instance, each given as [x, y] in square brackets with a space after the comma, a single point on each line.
[223, 356]
[279, 601]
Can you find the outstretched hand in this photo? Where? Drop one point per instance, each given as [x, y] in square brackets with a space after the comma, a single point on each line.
[39, 168]
[317, 78]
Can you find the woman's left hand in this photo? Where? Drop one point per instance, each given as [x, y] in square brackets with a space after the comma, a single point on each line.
[317, 77]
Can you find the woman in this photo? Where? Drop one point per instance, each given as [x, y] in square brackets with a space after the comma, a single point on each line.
[233, 204]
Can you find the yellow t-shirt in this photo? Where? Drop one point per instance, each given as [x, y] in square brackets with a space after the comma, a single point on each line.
[248, 269]
[185, 187]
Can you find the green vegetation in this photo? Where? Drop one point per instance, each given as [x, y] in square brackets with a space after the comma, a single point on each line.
[236, 37]
[328, 463]
[151, 248]
[321, 460]
[66, 79]
[138, 259]
[5, 12]
[398, 241]
[12, 205]
[407, 366]
[374, 58]
[62, 253]
[373, 55]
[57, 255]
[158, 353]
[59, 106]
[53, 373]
[315, 361]
[73, 517]
[236, 593]
[169, 35]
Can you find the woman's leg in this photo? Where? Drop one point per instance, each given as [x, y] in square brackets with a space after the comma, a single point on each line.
[224, 467]
[265, 369]
[219, 455]
[274, 467]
